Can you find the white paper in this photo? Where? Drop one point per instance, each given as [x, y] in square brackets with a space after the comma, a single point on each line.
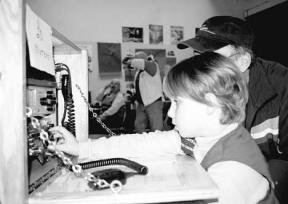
[39, 35]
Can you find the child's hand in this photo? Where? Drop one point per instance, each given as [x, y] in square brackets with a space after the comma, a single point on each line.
[67, 142]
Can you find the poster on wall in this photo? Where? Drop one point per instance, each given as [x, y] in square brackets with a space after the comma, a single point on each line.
[171, 61]
[132, 34]
[109, 58]
[177, 34]
[170, 53]
[156, 34]
[39, 37]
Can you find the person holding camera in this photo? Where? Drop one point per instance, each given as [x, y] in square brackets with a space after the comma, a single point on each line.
[149, 92]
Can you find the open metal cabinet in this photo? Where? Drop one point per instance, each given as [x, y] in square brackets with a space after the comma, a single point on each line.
[14, 180]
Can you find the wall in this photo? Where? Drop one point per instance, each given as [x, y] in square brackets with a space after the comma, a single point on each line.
[102, 20]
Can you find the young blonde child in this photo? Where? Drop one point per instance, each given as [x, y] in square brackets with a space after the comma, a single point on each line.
[208, 96]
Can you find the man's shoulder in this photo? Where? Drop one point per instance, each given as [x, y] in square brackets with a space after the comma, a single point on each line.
[262, 68]
[267, 64]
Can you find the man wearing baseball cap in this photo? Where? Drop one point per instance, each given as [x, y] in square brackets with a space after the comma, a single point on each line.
[267, 107]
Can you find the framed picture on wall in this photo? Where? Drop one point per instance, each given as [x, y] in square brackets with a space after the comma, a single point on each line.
[177, 34]
[109, 58]
[132, 34]
[171, 61]
[170, 53]
[156, 34]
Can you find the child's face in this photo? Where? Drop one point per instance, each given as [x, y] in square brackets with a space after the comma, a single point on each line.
[191, 118]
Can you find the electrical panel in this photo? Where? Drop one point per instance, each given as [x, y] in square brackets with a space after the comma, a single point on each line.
[42, 100]
[41, 103]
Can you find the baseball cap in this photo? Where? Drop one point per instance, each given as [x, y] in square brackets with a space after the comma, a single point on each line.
[219, 31]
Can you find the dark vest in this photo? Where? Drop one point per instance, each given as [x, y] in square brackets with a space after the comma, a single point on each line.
[137, 93]
[239, 146]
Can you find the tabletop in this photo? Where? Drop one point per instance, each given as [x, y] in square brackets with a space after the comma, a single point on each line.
[178, 178]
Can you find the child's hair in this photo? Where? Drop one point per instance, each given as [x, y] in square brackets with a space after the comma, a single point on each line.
[210, 73]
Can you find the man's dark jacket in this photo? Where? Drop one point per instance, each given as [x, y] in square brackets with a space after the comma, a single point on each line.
[267, 108]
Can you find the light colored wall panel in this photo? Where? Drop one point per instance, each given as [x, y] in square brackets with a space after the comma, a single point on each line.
[13, 172]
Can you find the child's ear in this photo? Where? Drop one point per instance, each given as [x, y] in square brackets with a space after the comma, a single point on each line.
[244, 61]
[213, 101]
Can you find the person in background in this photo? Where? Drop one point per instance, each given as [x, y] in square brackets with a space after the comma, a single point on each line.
[130, 107]
[111, 100]
[148, 86]
[130, 94]
[267, 108]
[208, 97]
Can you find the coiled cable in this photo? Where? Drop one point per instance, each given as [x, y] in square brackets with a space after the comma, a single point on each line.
[69, 107]
[70, 123]
[139, 168]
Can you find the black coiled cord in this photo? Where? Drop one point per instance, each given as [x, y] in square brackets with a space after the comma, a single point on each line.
[68, 98]
[139, 168]
[70, 123]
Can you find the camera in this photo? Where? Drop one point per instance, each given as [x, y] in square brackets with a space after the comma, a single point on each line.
[126, 60]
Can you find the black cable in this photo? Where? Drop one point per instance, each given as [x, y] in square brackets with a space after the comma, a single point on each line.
[139, 168]
[68, 98]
